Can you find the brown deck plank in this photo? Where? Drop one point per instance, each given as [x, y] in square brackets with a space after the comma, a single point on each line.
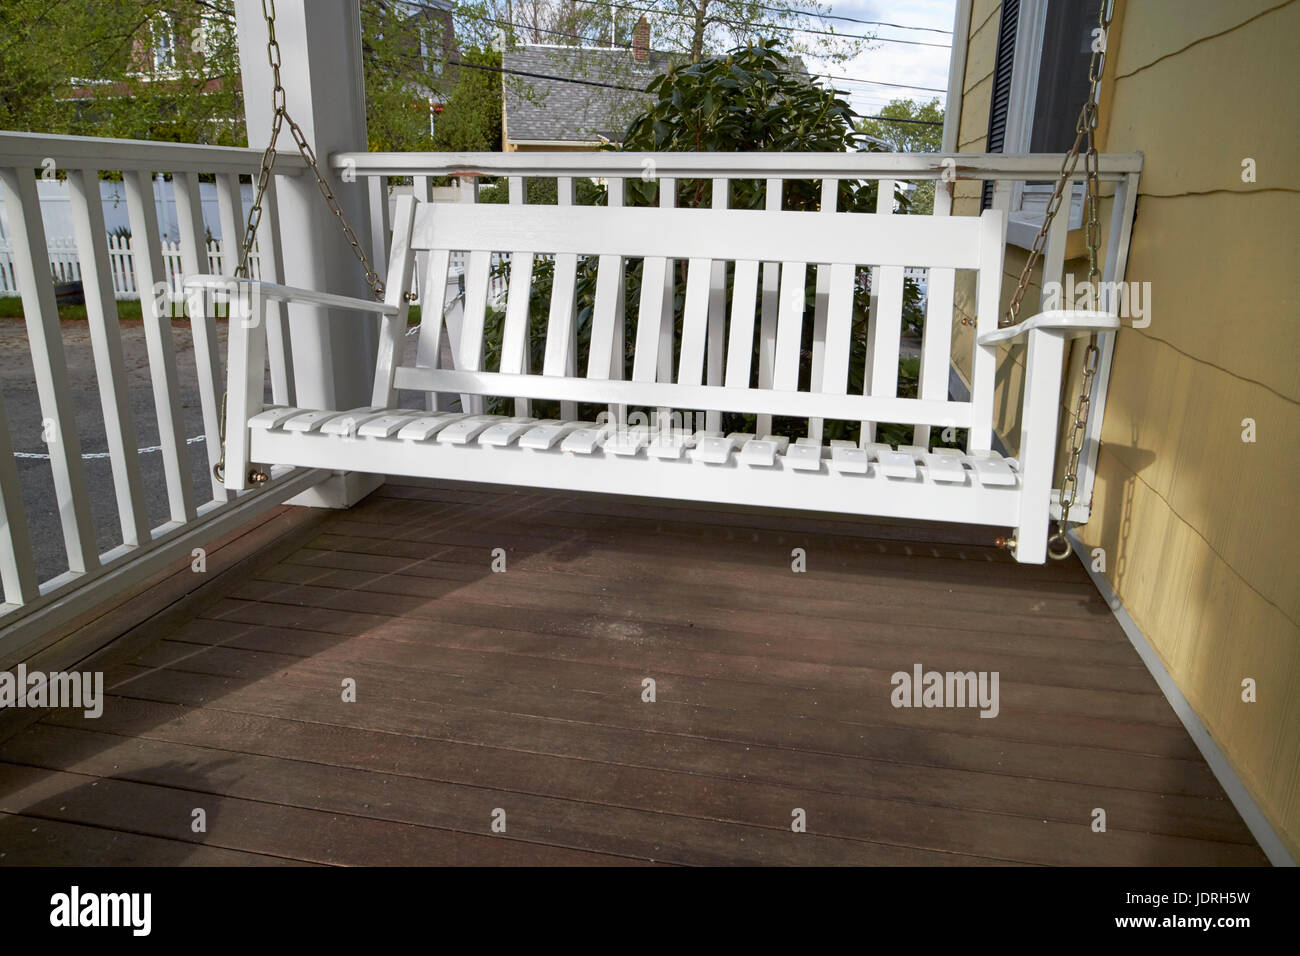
[522, 690]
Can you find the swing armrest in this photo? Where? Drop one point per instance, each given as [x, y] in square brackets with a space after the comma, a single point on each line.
[1069, 323]
[286, 293]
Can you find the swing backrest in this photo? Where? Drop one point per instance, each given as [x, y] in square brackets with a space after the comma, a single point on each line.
[742, 322]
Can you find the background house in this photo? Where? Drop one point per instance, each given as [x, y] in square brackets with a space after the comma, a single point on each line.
[569, 97]
[1202, 418]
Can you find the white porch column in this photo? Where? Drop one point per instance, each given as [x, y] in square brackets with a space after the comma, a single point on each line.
[320, 44]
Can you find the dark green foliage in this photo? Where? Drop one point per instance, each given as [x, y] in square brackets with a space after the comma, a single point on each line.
[747, 100]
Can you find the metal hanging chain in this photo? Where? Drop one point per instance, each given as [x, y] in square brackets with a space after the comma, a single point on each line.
[279, 118]
[1058, 545]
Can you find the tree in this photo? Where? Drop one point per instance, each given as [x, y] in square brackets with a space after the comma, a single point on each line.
[918, 129]
[695, 28]
[747, 100]
[121, 68]
[470, 120]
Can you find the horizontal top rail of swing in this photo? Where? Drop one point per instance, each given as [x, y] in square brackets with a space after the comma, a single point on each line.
[995, 166]
[94, 152]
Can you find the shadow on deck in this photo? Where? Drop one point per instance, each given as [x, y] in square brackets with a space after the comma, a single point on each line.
[520, 693]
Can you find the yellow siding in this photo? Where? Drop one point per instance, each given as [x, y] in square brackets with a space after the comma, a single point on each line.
[1199, 526]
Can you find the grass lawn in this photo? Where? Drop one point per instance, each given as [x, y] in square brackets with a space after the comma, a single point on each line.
[11, 307]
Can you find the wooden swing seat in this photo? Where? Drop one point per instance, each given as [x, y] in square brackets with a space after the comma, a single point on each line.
[640, 455]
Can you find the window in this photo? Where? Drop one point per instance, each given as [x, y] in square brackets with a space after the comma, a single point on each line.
[164, 43]
[1040, 82]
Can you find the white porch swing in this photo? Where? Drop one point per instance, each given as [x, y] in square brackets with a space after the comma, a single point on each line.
[975, 485]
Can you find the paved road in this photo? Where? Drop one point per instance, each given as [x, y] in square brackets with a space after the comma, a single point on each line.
[19, 385]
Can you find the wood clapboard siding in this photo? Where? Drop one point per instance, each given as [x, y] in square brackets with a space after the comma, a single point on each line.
[1195, 522]
[522, 691]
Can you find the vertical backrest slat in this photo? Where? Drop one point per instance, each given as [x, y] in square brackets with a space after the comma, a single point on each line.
[984, 359]
[609, 291]
[58, 407]
[936, 336]
[18, 583]
[649, 323]
[829, 203]
[834, 376]
[740, 347]
[514, 335]
[690, 367]
[667, 307]
[270, 254]
[207, 360]
[155, 308]
[770, 302]
[881, 371]
[563, 300]
[433, 306]
[717, 338]
[477, 265]
[392, 328]
[515, 357]
[87, 210]
[618, 344]
[789, 328]
[377, 196]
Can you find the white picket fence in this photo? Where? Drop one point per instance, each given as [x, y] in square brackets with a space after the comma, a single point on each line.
[66, 267]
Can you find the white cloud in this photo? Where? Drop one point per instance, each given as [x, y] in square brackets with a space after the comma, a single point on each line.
[926, 66]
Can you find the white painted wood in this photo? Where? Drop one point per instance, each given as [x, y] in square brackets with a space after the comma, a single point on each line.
[987, 294]
[1069, 323]
[1046, 351]
[245, 385]
[733, 234]
[609, 294]
[565, 195]
[740, 348]
[17, 572]
[392, 328]
[377, 196]
[936, 334]
[279, 348]
[283, 293]
[433, 298]
[45, 343]
[470, 356]
[714, 350]
[789, 331]
[755, 165]
[650, 320]
[514, 335]
[203, 325]
[682, 395]
[883, 329]
[667, 319]
[770, 304]
[829, 205]
[837, 330]
[690, 366]
[106, 344]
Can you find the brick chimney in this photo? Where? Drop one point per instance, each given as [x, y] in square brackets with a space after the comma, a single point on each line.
[641, 41]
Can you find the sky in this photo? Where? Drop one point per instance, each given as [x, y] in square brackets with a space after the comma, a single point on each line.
[894, 62]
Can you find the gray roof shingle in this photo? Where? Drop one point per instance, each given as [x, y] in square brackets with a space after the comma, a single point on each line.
[555, 110]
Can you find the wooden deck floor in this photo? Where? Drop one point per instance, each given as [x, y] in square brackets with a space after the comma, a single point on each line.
[481, 692]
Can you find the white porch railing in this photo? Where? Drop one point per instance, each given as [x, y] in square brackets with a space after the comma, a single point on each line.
[197, 511]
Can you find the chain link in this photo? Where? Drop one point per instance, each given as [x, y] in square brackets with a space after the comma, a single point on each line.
[280, 116]
[1058, 545]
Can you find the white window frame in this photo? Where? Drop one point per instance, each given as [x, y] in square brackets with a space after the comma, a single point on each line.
[164, 57]
[1029, 203]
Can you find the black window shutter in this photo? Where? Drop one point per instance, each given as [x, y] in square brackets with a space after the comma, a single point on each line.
[1001, 98]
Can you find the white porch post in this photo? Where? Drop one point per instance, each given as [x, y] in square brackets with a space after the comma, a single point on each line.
[321, 71]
